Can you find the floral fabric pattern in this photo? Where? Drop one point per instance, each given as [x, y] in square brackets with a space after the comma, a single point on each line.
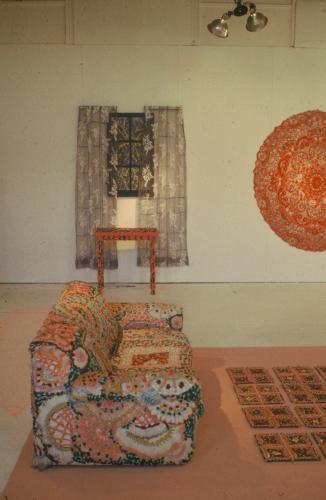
[136, 315]
[94, 207]
[93, 439]
[146, 181]
[55, 427]
[112, 167]
[57, 331]
[164, 205]
[51, 369]
[153, 348]
[135, 404]
[80, 357]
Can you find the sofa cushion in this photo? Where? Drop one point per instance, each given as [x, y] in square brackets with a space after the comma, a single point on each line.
[104, 344]
[80, 326]
[57, 329]
[81, 305]
[133, 315]
[154, 348]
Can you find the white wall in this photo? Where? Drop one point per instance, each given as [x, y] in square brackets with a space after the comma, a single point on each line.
[232, 98]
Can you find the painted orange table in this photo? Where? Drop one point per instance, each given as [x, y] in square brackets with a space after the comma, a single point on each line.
[136, 233]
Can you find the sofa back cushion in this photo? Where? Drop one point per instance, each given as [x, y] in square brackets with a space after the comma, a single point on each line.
[153, 348]
[79, 318]
[133, 315]
[85, 308]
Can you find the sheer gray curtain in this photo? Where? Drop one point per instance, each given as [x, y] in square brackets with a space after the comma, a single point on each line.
[95, 205]
[164, 208]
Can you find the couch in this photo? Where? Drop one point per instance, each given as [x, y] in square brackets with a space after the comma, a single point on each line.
[112, 383]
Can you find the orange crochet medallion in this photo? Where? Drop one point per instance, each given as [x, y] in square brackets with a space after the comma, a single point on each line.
[290, 180]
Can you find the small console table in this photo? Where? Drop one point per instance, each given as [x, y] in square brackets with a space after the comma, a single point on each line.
[148, 233]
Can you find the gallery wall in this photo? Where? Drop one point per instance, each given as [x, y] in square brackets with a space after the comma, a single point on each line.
[232, 98]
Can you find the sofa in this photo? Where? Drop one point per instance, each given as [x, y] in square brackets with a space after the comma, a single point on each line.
[112, 383]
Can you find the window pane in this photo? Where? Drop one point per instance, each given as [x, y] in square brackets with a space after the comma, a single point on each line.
[136, 153]
[123, 128]
[134, 178]
[123, 179]
[123, 153]
[137, 128]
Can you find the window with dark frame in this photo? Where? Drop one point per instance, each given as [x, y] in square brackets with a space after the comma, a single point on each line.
[129, 147]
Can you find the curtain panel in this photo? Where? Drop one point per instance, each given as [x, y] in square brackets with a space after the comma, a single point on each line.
[95, 206]
[164, 206]
[112, 164]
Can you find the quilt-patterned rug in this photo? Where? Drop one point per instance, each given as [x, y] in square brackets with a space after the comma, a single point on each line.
[250, 375]
[279, 416]
[253, 394]
[286, 447]
[292, 397]
[320, 438]
[302, 384]
[312, 416]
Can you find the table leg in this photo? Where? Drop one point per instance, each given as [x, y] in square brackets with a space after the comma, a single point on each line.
[153, 264]
[100, 270]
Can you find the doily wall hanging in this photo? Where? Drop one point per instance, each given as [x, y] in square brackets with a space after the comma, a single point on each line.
[290, 180]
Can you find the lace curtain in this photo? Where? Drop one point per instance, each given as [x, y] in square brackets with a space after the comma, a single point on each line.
[95, 207]
[164, 207]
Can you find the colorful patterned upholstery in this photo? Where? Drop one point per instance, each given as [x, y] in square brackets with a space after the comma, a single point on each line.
[137, 315]
[153, 348]
[106, 396]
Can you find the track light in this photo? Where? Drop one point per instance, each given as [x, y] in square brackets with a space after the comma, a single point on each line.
[255, 22]
[219, 27]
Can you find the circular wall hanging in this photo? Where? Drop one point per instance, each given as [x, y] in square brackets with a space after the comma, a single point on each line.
[290, 180]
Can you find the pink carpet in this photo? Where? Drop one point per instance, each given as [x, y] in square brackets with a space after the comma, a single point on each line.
[17, 330]
[227, 464]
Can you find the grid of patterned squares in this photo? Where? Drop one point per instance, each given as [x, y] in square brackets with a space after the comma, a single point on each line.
[286, 447]
[265, 407]
[302, 384]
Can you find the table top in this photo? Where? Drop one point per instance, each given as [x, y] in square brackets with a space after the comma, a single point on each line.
[125, 232]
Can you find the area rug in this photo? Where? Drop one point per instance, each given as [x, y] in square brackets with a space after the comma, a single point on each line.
[262, 416]
[226, 466]
[301, 384]
[254, 394]
[250, 375]
[286, 447]
[320, 438]
[312, 416]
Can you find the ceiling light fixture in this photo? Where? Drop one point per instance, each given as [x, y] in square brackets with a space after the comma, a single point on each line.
[255, 21]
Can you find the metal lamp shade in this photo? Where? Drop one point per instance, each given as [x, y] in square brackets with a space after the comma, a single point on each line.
[256, 21]
[219, 27]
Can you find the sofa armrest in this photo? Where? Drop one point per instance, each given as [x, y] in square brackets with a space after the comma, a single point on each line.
[51, 369]
[134, 315]
[60, 352]
[57, 330]
[76, 335]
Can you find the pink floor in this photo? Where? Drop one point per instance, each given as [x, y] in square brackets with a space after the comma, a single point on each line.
[227, 464]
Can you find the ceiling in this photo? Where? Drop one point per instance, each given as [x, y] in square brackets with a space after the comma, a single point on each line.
[292, 23]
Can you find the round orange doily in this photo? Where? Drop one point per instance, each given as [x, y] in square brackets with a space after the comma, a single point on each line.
[290, 180]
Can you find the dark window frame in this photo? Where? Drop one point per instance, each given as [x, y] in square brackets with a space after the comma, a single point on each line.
[128, 193]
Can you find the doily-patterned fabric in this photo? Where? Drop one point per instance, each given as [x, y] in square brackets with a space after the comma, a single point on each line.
[290, 180]
[103, 395]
